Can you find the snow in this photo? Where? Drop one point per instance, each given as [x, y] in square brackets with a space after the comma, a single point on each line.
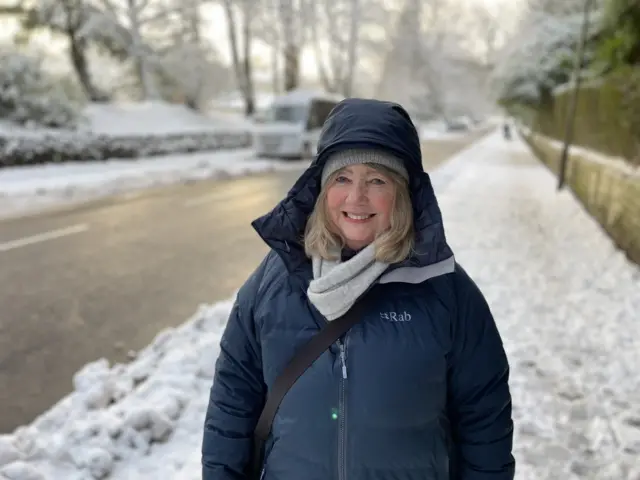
[568, 307]
[302, 96]
[536, 55]
[566, 301]
[620, 164]
[234, 101]
[29, 188]
[149, 118]
[143, 118]
[28, 92]
[437, 130]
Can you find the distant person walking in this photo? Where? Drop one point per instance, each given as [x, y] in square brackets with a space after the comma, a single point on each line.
[417, 388]
[506, 129]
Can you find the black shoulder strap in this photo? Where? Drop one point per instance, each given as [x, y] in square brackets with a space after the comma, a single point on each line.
[300, 362]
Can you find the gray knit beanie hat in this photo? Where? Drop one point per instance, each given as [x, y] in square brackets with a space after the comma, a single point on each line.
[348, 157]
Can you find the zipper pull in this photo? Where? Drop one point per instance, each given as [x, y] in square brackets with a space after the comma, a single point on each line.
[343, 360]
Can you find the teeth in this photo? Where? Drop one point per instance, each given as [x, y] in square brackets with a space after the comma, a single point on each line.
[358, 217]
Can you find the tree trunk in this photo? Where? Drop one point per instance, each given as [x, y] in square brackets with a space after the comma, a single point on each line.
[78, 57]
[353, 49]
[291, 67]
[193, 23]
[291, 49]
[323, 73]
[337, 46]
[233, 43]
[250, 106]
[275, 68]
[241, 68]
[247, 70]
[147, 82]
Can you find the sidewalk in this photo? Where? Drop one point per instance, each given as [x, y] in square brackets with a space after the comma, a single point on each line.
[568, 308]
[567, 305]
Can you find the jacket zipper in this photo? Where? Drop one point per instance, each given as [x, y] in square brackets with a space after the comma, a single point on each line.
[342, 414]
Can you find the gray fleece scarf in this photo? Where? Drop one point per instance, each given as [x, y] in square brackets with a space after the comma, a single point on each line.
[336, 285]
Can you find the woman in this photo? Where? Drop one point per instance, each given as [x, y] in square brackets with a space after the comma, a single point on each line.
[418, 389]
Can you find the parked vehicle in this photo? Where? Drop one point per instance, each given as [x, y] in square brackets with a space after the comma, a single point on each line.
[291, 126]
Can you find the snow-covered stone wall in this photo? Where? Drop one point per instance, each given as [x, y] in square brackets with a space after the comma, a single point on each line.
[607, 186]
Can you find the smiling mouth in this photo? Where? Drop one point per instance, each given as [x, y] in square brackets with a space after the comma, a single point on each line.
[361, 218]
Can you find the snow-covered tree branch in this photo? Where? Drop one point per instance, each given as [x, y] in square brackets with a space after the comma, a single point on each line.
[541, 53]
[81, 23]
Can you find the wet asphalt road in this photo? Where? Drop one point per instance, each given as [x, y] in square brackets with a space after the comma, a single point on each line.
[103, 278]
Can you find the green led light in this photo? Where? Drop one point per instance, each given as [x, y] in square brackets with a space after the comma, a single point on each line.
[334, 413]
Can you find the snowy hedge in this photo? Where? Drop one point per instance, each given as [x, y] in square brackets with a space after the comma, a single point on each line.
[83, 147]
[29, 95]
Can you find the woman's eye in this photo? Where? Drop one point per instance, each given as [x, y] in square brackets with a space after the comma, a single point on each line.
[341, 179]
[377, 181]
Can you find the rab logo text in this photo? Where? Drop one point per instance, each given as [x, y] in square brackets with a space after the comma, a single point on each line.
[395, 316]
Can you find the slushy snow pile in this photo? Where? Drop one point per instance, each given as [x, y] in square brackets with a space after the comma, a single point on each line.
[566, 302]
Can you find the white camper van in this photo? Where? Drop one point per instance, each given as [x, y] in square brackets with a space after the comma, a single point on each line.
[291, 126]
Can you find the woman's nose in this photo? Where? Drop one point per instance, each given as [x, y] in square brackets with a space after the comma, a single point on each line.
[357, 192]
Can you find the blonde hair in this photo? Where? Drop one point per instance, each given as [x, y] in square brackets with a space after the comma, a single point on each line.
[322, 238]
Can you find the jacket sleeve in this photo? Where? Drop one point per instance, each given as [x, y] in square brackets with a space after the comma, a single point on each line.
[479, 396]
[237, 395]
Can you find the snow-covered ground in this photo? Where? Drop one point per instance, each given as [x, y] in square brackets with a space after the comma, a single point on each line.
[233, 102]
[567, 304]
[154, 117]
[26, 189]
[144, 118]
[437, 130]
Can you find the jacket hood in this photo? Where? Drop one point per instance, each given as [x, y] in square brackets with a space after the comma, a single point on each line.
[364, 123]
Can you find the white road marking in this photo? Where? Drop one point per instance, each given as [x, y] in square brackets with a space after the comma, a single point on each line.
[43, 237]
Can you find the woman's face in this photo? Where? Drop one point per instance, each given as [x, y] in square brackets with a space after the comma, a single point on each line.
[359, 203]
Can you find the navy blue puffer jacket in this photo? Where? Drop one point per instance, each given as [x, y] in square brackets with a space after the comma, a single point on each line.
[418, 390]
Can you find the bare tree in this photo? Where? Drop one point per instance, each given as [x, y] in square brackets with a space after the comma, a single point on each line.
[291, 16]
[325, 16]
[240, 18]
[340, 37]
[403, 55]
[77, 20]
[485, 27]
[352, 48]
[269, 30]
[135, 13]
[188, 59]
[177, 21]
[430, 67]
